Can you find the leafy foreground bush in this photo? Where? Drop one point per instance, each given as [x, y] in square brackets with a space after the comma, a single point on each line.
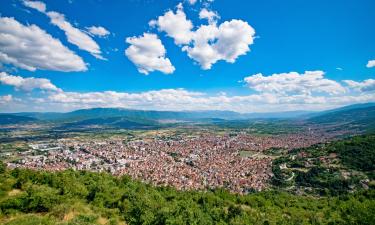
[72, 197]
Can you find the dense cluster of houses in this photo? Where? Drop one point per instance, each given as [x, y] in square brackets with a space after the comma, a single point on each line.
[190, 162]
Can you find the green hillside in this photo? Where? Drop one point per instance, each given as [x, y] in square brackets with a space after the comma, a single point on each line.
[29, 197]
[363, 117]
[347, 115]
[328, 169]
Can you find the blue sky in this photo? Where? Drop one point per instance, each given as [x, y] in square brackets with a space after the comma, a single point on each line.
[335, 39]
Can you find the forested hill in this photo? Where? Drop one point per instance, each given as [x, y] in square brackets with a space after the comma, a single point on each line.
[328, 169]
[30, 197]
[363, 115]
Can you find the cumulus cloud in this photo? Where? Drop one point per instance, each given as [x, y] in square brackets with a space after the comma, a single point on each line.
[98, 31]
[31, 48]
[370, 63]
[74, 35]
[148, 53]
[211, 16]
[294, 83]
[209, 43]
[226, 42]
[27, 84]
[366, 85]
[176, 25]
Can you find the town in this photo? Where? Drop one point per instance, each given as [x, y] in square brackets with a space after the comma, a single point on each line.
[236, 162]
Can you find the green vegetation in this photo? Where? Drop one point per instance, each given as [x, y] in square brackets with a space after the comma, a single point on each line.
[362, 118]
[9, 151]
[357, 153]
[70, 197]
[334, 168]
[244, 153]
[260, 126]
[332, 183]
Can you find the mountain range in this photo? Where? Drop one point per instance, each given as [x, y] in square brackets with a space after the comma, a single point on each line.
[120, 117]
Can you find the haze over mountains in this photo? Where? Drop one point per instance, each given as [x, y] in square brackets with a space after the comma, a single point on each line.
[129, 118]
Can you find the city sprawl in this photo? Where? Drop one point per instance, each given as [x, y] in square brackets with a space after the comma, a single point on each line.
[237, 161]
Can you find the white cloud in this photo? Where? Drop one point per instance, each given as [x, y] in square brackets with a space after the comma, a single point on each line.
[294, 83]
[181, 99]
[165, 99]
[176, 25]
[286, 92]
[31, 48]
[148, 54]
[211, 16]
[266, 100]
[98, 31]
[74, 35]
[226, 42]
[370, 63]
[27, 84]
[202, 51]
[209, 43]
[366, 85]
[40, 6]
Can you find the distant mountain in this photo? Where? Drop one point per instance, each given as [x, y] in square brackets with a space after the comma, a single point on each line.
[84, 114]
[183, 115]
[114, 122]
[151, 114]
[355, 115]
[7, 119]
[354, 106]
[154, 115]
[344, 108]
[277, 115]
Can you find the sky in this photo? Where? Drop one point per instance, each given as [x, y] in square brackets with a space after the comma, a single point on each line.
[244, 56]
